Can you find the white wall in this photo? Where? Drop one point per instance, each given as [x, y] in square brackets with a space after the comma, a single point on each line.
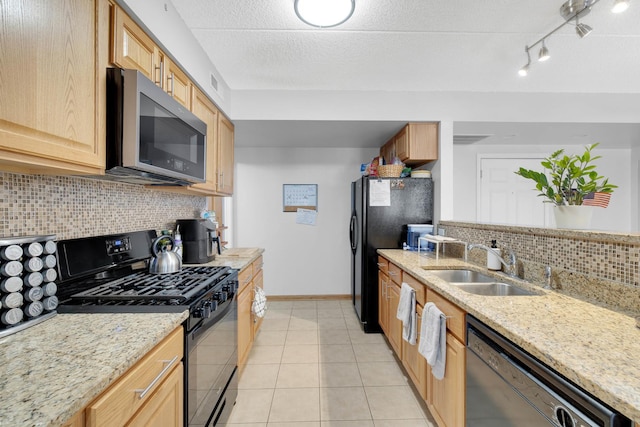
[299, 259]
[621, 215]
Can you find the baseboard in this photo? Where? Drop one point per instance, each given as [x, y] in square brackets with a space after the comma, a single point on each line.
[308, 297]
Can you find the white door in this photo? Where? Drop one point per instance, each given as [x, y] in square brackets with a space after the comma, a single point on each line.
[507, 198]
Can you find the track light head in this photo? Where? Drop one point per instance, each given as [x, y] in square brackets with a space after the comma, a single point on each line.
[525, 70]
[543, 55]
[620, 6]
[583, 30]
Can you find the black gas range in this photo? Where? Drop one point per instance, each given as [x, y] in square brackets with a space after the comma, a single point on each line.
[109, 274]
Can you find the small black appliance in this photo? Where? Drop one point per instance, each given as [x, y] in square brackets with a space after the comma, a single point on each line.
[200, 241]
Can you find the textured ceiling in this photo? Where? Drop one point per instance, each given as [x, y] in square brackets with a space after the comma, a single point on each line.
[416, 45]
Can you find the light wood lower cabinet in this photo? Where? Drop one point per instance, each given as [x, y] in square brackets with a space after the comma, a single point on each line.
[395, 325]
[248, 323]
[383, 302]
[165, 409]
[53, 89]
[245, 332]
[414, 363]
[76, 421]
[150, 393]
[446, 396]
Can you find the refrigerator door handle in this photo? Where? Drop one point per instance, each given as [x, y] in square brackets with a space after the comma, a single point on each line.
[353, 233]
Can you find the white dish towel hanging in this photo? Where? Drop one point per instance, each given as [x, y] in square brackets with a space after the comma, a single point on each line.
[407, 313]
[259, 304]
[433, 339]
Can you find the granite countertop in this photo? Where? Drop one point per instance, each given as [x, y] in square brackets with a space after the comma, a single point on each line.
[54, 369]
[594, 347]
[237, 258]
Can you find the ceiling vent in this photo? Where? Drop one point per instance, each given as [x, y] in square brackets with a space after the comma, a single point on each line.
[469, 139]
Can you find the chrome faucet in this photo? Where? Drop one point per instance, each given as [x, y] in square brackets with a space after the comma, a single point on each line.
[510, 263]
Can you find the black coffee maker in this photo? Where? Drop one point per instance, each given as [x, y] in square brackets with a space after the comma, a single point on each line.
[200, 241]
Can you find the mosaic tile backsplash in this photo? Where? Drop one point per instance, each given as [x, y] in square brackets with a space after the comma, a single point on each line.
[72, 207]
[604, 269]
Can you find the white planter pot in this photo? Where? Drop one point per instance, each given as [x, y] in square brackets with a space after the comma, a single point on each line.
[575, 217]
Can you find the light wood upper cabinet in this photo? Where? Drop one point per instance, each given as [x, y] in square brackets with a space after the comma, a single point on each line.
[133, 49]
[53, 86]
[415, 144]
[204, 109]
[177, 84]
[225, 155]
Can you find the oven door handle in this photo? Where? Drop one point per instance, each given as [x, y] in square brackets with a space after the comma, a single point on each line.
[143, 392]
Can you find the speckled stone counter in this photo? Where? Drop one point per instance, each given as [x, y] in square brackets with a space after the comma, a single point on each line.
[594, 347]
[237, 259]
[52, 370]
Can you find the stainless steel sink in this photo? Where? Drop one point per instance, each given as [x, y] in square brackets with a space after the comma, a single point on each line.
[496, 289]
[479, 284]
[462, 276]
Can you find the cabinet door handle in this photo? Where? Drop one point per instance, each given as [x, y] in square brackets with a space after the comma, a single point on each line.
[171, 77]
[393, 273]
[146, 390]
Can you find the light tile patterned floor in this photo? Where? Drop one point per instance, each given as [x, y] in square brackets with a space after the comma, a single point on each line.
[312, 366]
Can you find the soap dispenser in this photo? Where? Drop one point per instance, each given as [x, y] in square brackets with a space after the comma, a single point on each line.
[493, 260]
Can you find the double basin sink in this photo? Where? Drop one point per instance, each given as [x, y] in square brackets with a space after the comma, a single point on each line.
[478, 283]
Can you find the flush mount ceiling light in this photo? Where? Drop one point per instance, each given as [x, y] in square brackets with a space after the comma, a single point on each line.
[571, 10]
[324, 13]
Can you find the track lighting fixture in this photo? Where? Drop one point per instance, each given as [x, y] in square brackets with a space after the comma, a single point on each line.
[543, 55]
[525, 69]
[583, 30]
[571, 10]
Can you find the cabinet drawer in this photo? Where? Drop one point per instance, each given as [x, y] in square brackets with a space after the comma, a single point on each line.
[383, 265]
[421, 290]
[118, 404]
[455, 315]
[244, 277]
[395, 273]
[257, 265]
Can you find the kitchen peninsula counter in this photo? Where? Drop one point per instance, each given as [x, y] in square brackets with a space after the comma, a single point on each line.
[594, 347]
[54, 369]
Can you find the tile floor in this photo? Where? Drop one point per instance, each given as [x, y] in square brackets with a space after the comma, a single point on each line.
[312, 366]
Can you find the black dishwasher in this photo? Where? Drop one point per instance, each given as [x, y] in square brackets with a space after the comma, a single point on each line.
[506, 387]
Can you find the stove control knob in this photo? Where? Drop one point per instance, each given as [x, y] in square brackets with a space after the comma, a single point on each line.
[204, 311]
[220, 296]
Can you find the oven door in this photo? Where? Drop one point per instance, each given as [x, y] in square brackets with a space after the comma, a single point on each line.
[212, 358]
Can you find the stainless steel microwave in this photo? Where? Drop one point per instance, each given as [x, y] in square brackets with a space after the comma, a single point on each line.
[151, 138]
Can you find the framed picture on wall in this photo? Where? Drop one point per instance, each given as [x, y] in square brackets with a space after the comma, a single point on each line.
[303, 196]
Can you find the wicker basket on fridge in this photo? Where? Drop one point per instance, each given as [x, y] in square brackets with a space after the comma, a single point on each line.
[390, 171]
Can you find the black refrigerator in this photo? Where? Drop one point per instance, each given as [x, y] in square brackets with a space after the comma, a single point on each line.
[380, 207]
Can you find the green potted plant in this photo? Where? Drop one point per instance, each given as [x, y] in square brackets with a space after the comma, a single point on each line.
[569, 182]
